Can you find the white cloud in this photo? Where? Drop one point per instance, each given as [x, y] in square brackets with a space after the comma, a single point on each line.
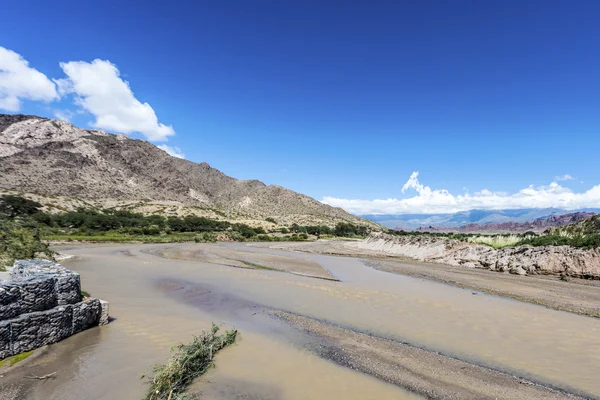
[64, 115]
[173, 151]
[430, 201]
[19, 81]
[99, 90]
[565, 177]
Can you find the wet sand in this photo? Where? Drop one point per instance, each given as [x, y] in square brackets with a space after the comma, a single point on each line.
[242, 259]
[160, 302]
[578, 296]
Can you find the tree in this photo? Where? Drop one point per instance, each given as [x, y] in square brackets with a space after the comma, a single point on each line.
[21, 240]
[17, 206]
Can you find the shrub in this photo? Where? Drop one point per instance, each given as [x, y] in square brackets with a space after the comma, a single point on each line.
[205, 237]
[189, 361]
[17, 206]
[20, 240]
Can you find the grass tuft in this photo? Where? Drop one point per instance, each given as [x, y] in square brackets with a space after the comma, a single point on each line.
[189, 361]
[498, 241]
[10, 361]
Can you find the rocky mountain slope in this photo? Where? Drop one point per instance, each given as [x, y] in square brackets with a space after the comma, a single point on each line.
[64, 167]
[538, 225]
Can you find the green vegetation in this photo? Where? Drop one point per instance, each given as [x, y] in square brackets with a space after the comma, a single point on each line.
[257, 266]
[576, 240]
[498, 241]
[171, 380]
[342, 229]
[19, 235]
[10, 361]
[588, 226]
[23, 224]
[583, 234]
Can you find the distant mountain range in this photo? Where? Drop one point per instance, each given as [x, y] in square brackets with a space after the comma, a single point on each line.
[478, 217]
[538, 225]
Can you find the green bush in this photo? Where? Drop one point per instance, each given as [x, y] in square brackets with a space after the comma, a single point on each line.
[189, 361]
[20, 239]
[16, 206]
[205, 237]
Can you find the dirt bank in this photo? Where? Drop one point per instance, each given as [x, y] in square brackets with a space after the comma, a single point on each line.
[583, 263]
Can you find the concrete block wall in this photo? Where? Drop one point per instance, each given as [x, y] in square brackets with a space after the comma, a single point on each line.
[42, 304]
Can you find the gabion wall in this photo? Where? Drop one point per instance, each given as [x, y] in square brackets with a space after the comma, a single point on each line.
[42, 304]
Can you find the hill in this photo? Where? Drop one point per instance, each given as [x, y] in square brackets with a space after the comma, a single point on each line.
[538, 225]
[588, 226]
[65, 167]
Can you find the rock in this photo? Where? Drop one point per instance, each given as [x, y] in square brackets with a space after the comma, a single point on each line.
[103, 313]
[85, 315]
[5, 340]
[518, 271]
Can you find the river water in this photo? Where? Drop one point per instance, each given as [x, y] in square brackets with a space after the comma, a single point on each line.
[556, 348]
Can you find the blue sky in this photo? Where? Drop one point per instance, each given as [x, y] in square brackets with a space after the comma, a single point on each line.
[341, 100]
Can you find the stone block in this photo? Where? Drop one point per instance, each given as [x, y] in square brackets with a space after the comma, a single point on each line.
[59, 325]
[103, 320]
[10, 301]
[68, 289]
[5, 340]
[85, 315]
[28, 332]
[42, 305]
[37, 294]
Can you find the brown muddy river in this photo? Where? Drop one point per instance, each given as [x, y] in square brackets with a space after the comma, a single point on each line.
[558, 349]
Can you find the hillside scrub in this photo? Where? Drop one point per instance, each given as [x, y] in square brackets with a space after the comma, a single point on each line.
[189, 361]
[498, 241]
[111, 225]
[588, 226]
[562, 236]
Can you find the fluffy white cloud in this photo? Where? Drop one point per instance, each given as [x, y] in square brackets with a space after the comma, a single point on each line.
[174, 151]
[99, 90]
[565, 177]
[19, 81]
[430, 201]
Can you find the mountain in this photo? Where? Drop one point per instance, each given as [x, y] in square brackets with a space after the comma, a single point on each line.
[415, 221]
[538, 225]
[588, 226]
[64, 167]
